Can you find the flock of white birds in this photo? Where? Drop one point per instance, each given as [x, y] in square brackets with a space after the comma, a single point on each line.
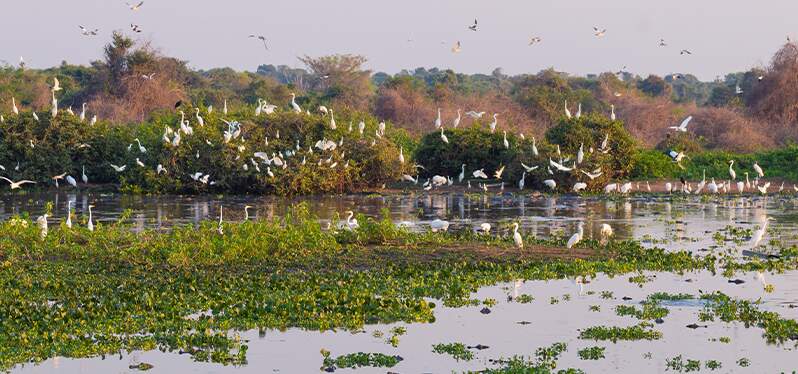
[281, 158]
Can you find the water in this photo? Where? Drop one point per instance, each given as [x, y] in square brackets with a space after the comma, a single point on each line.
[673, 224]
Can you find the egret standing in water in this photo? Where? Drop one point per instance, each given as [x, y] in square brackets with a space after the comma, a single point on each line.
[351, 223]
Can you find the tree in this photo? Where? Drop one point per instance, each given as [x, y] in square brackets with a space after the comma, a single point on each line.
[341, 78]
[654, 86]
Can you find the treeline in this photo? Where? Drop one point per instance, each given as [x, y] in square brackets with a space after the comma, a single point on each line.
[742, 112]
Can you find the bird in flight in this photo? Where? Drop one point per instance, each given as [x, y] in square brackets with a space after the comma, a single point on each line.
[456, 48]
[662, 43]
[599, 33]
[683, 126]
[134, 7]
[535, 40]
[685, 52]
[135, 28]
[15, 185]
[87, 32]
[261, 38]
[474, 26]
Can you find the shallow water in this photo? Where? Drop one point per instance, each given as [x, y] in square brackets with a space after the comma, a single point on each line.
[675, 224]
[683, 223]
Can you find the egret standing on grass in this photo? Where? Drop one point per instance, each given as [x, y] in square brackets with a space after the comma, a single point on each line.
[731, 170]
[519, 241]
[42, 222]
[69, 214]
[90, 225]
[577, 237]
[438, 119]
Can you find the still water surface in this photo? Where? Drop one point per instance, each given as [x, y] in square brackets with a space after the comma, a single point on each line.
[675, 224]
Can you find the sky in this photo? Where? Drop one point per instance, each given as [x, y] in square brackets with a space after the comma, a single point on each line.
[723, 35]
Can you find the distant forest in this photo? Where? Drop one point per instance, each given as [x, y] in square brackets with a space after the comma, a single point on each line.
[743, 111]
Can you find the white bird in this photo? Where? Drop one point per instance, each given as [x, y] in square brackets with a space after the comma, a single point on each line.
[579, 111]
[764, 188]
[611, 187]
[756, 238]
[462, 174]
[351, 223]
[246, 212]
[731, 170]
[72, 182]
[294, 105]
[480, 174]
[119, 169]
[457, 119]
[474, 114]
[506, 143]
[576, 237]
[69, 214]
[42, 222]
[15, 185]
[612, 112]
[517, 239]
[323, 110]
[90, 224]
[567, 111]
[35, 116]
[484, 228]
[606, 233]
[534, 147]
[740, 187]
[220, 227]
[438, 120]
[559, 166]
[83, 113]
[224, 108]
[599, 32]
[758, 170]
[141, 147]
[493, 124]
[498, 173]
[93, 120]
[683, 126]
[139, 163]
[160, 169]
[443, 137]
[580, 156]
[521, 181]
[410, 178]
[361, 126]
[439, 225]
[135, 7]
[579, 186]
[333, 126]
[54, 110]
[200, 120]
[529, 168]
[457, 47]
[14, 108]
[401, 155]
[550, 183]
[595, 174]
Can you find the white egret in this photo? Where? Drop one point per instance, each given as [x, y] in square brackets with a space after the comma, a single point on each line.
[579, 186]
[756, 238]
[521, 181]
[493, 124]
[576, 237]
[764, 188]
[160, 169]
[294, 105]
[139, 163]
[457, 119]
[606, 233]
[141, 147]
[498, 173]
[224, 108]
[580, 155]
[529, 168]
[90, 224]
[758, 170]
[93, 120]
[612, 112]
[119, 169]
[475, 114]
[15, 185]
[438, 120]
[462, 174]
[69, 214]
[72, 182]
[550, 183]
[567, 111]
[517, 239]
[480, 174]
[200, 120]
[83, 113]
[333, 126]
[439, 225]
[506, 143]
[534, 147]
[443, 137]
[401, 155]
[579, 111]
[246, 212]
[351, 223]
[611, 187]
[732, 173]
[484, 228]
[14, 108]
[220, 228]
[683, 126]
[42, 222]
[595, 174]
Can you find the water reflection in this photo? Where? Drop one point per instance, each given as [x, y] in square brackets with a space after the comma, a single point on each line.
[683, 223]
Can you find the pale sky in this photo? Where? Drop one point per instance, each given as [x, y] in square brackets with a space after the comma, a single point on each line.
[724, 35]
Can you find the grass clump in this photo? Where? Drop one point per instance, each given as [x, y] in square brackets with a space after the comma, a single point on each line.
[358, 360]
[614, 333]
[458, 351]
[777, 330]
[681, 365]
[592, 353]
[649, 311]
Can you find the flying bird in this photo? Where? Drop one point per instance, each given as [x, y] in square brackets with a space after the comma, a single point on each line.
[457, 47]
[15, 185]
[135, 28]
[662, 43]
[685, 52]
[683, 126]
[599, 33]
[87, 32]
[535, 40]
[474, 26]
[134, 7]
[262, 39]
